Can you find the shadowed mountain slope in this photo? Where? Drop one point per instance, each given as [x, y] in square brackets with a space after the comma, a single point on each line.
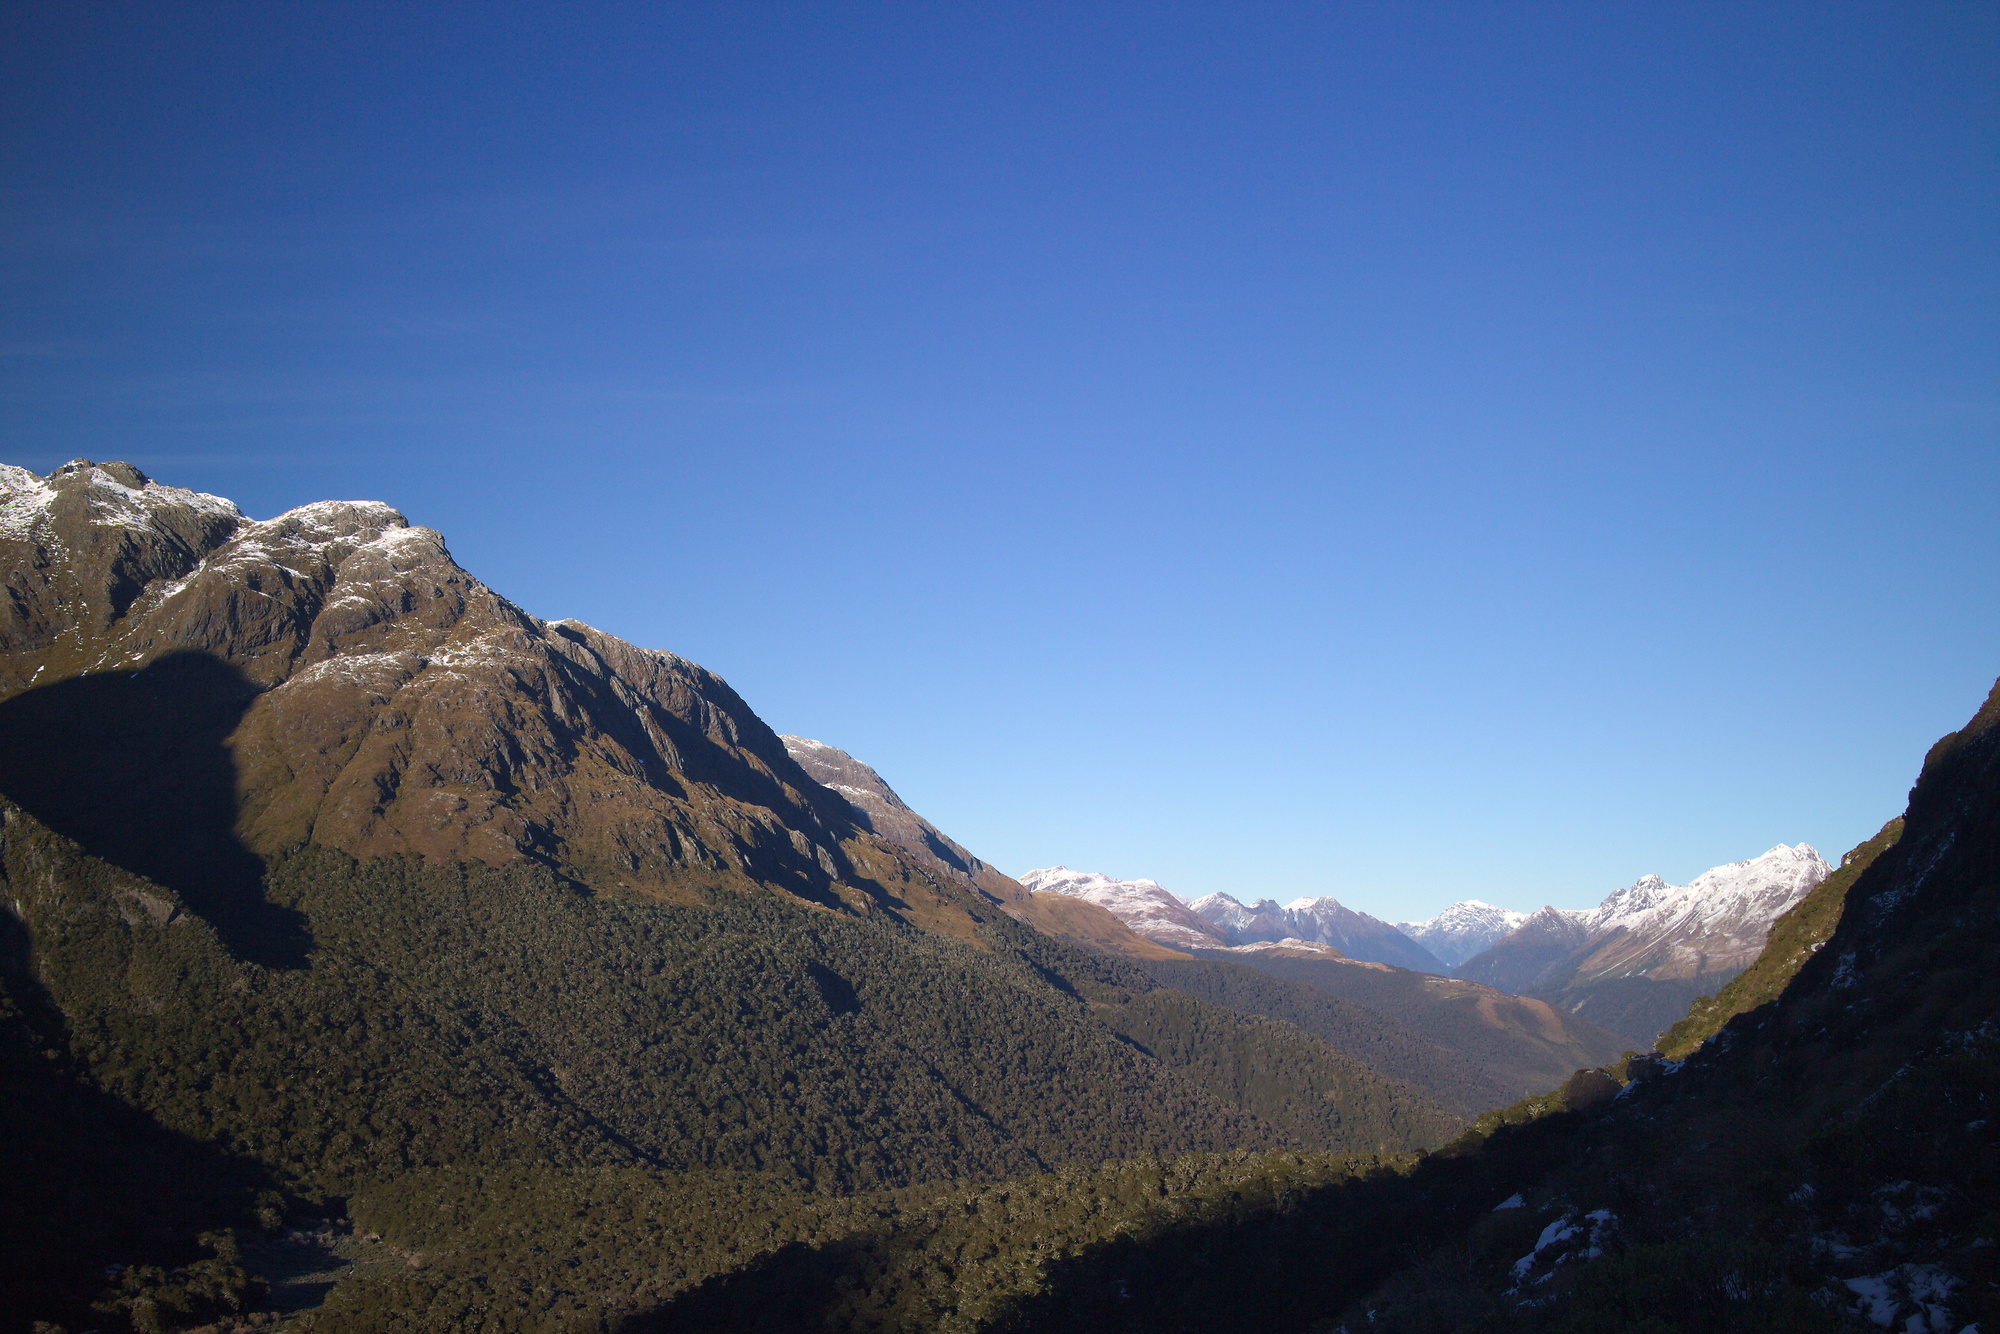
[1464, 1085]
[1540, 943]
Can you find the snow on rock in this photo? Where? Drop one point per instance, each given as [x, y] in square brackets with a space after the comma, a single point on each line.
[1289, 945]
[1144, 906]
[1569, 1237]
[1915, 1294]
[1464, 929]
[118, 495]
[1725, 911]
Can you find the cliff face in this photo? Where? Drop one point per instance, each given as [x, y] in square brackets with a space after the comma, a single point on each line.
[332, 676]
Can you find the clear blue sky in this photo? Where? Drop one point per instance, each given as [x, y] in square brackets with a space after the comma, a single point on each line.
[1402, 451]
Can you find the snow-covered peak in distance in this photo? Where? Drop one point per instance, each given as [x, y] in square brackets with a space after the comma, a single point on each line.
[1321, 919]
[1464, 929]
[1263, 919]
[1143, 905]
[1755, 889]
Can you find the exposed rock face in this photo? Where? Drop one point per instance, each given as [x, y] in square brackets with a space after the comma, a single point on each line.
[1325, 920]
[886, 815]
[344, 682]
[1141, 905]
[1635, 962]
[1463, 930]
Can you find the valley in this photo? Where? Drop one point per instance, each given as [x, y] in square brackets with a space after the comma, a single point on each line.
[533, 974]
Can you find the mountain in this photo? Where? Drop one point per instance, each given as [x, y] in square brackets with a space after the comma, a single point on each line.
[339, 888]
[1238, 924]
[1636, 961]
[226, 689]
[1796, 935]
[882, 812]
[1542, 941]
[1464, 929]
[1142, 905]
[1324, 920]
[887, 816]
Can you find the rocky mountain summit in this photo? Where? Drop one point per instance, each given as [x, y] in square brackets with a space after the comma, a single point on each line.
[225, 688]
[1464, 929]
[1636, 961]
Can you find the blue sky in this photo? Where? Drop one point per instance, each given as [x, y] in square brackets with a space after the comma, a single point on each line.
[1398, 451]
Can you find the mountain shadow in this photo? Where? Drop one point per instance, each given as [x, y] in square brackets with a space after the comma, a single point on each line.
[132, 766]
[93, 1182]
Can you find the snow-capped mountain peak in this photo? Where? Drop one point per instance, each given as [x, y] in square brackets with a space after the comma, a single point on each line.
[1143, 905]
[1755, 888]
[1463, 930]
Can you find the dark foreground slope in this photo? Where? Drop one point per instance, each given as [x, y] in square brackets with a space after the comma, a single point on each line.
[1828, 1161]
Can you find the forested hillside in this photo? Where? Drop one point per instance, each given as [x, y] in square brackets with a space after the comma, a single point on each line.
[503, 1023]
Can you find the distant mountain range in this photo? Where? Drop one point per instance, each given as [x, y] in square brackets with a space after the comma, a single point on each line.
[1219, 921]
[1633, 964]
[1518, 1044]
[1638, 960]
[1142, 905]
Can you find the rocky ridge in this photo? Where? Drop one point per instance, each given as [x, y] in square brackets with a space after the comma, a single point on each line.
[886, 815]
